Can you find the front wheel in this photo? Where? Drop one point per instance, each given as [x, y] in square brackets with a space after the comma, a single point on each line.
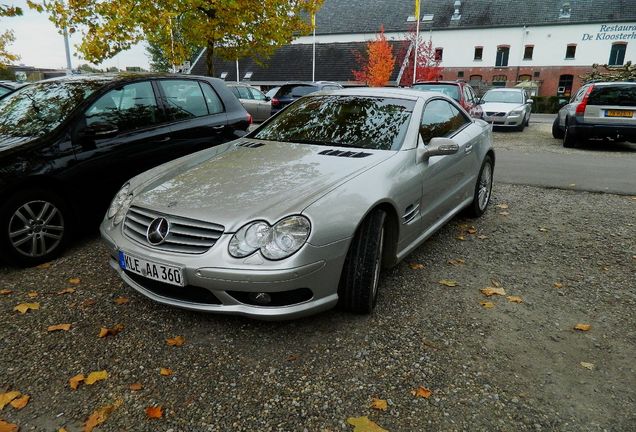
[33, 227]
[358, 288]
[483, 189]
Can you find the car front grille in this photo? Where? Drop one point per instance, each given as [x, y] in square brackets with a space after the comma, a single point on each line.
[187, 236]
[495, 114]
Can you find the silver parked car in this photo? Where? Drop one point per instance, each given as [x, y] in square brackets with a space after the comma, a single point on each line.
[303, 212]
[253, 100]
[507, 107]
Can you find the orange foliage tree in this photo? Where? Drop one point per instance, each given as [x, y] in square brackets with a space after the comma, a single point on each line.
[428, 68]
[376, 67]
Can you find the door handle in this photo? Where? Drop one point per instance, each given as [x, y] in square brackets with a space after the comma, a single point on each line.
[165, 139]
[218, 127]
[468, 148]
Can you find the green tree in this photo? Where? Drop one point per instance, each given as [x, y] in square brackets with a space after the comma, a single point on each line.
[86, 68]
[231, 29]
[7, 37]
[627, 72]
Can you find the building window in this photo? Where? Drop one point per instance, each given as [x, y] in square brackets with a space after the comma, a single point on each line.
[439, 54]
[566, 10]
[479, 52]
[570, 51]
[527, 52]
[502, 56]
[617, 54]
[499, 80]
[460, 74]
[565, 85]
[536, 74]
[523, 78]
[475, 79]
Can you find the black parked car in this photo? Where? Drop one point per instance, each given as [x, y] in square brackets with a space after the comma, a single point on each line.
[288, 93]
[68, 144]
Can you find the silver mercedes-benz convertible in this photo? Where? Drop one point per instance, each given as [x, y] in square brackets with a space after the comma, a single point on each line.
[302, 213]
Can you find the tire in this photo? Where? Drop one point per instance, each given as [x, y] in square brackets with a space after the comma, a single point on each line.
[358, 288]
[528, 120]
[521, 126]
[570, 140]
[483, 189]
[557, 132]
[33, 227]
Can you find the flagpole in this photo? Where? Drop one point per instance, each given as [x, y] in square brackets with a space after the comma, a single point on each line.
[313, 67]
[417, 38]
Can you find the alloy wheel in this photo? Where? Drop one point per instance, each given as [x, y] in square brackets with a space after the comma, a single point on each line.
[36, 228]
[485, 183]
[378, 266]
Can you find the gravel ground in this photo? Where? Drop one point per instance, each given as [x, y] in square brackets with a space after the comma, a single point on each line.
[513, 367]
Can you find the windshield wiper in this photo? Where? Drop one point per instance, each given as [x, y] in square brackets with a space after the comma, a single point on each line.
[325, 143]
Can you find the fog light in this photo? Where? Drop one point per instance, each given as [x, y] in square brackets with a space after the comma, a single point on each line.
[262, 298]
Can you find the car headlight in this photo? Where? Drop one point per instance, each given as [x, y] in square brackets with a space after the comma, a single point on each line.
[120, 204]
[516, 112]
[276, 242]
[123, 210]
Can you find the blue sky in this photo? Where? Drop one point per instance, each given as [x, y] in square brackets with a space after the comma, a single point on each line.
[39, 44]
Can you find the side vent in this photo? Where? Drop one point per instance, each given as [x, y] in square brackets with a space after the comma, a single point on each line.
[342, 153]
[249, 144]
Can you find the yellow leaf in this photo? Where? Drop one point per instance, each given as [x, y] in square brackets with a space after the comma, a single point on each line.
[154, 412]
[490, 291]
[416, 266]
[582, 327]
[20, 402]
[461, 237]
[587, 365]
[448, 283]
[482, 237]
[62, 430]
[44, 266]
[8, 427]
[472, 230]
[558, 285]
[103, 331]
[5, 291]
[121, 300]
[74, 381]
[422, 392]
[502, 206]
[93, 377]
[487, 304]
[74, 281]
[363, 424]
[6, 398]
[136, 386]
[64, 327]
[24, 307]
[379, 404]
[504, 213]
[165, 371]
[100, 415]
[176, 341]
[67, 291]
[456, 261]
[32, 294]
[514, 299]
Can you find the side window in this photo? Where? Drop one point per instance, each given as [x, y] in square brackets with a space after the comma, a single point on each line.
[244, 93]
[256, 94]
[468, 96]
[440, 119]
[130, 107]
[213, 101]
[331, 87]
[183, 98]
[235, 91]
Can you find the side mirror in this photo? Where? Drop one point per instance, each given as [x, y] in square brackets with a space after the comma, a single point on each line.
[267, 98]
[439, 147]
[529, 101]
[101, 130]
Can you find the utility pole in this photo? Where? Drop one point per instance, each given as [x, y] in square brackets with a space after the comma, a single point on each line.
[417, 38]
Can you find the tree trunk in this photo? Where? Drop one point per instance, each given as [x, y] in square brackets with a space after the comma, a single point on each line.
[209, 57]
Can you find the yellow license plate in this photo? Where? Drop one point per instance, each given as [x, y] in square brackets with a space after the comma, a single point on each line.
[616, 113]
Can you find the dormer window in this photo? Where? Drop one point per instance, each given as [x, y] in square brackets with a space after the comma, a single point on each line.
[565, 11]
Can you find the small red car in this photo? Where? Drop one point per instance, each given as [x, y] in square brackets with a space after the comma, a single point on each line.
[458, 90]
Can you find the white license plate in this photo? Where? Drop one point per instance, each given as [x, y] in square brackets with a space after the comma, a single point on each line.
[151, 270]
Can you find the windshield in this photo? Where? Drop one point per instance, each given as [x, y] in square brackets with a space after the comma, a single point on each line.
[450, 90]
[503, 96]
[352, 121]
[37, 109]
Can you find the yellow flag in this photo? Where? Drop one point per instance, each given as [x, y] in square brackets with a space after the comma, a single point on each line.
[417, 9]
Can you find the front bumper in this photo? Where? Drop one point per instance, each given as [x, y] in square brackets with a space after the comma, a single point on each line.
[305, 283]
[505, 121]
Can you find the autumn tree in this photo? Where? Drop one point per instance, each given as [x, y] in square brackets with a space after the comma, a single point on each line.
[7, 37]
[427, 62]
[626, 72]
[230, 29]
[377, 65]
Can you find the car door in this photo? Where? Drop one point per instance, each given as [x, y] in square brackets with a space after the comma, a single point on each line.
[264, 106]
[445, 178]
[246, 98]
[196, 113]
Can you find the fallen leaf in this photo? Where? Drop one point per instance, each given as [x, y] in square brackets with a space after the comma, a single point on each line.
[176, 341]
[103, 331]
[605, 268]
[44, 266]
[154, 412]
[448, 283]
[582, 327]
[100, 415]
[363, 424]
[75, 381]
[8, 427]
[379, 404]
[543, 229]
[292, 357]
[121, 300]
[587, 365]
[558, 285]
[136, 386]
[515, 299]
[20, 402]
[24, 307]
[88, 302]
[62, 430]
[93, 377]
[74, 281]
[504, 213]
[165, 371]
[416, 266]
[32, 294]
[64, 327]
[487, 304]
[490, 291]
[6, 398]
[461, 237]
[5, 291]
[482, 237]
[422, 392]
[471, 230]
[456, 261]
[502, 206]
[67, 291]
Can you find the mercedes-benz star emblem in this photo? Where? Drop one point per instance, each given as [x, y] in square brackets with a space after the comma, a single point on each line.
[158, 231]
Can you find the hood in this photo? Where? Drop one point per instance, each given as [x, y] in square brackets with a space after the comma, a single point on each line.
[234, 184]
[500, 106]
